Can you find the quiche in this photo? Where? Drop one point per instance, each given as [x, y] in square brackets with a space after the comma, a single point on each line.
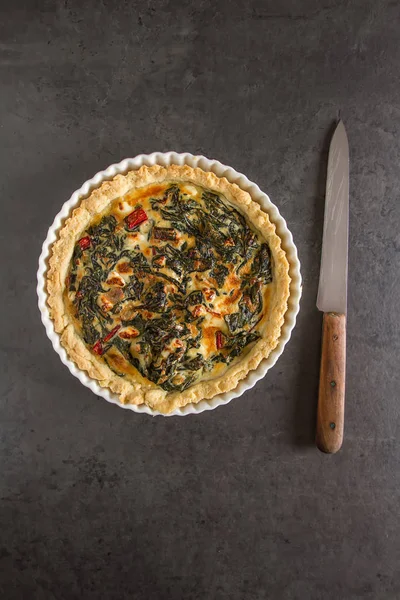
[167, 285]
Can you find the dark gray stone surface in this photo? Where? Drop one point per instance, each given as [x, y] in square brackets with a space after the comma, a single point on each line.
[100, 503]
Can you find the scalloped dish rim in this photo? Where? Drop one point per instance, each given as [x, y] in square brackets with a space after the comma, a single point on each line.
[221, 170]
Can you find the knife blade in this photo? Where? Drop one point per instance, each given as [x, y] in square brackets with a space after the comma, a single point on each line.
[332, 296]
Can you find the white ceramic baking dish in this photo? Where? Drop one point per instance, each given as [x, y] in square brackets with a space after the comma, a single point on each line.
[221, 170]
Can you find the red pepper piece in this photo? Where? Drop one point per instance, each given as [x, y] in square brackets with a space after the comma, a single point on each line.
[98, 348]
[219, 340]
[136, 217]
[84, 242]
[111, 333]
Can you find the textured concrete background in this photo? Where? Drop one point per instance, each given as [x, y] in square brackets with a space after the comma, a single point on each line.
[100, 503]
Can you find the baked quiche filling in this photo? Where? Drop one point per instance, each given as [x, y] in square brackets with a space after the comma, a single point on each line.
[171, 282]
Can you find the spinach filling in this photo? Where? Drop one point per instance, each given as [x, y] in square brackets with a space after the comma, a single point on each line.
[165, 318]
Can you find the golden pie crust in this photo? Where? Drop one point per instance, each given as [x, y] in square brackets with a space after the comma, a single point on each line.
[143, 391]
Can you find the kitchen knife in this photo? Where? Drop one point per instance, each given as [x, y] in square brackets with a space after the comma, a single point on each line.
[332, 296]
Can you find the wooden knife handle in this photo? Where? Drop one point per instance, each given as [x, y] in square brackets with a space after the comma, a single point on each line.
[330, 415]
